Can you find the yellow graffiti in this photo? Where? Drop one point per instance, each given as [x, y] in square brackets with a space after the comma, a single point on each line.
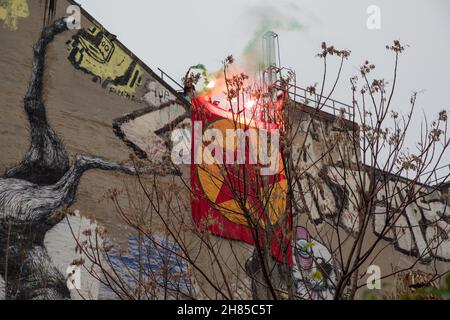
[11, 11]
[93, 52]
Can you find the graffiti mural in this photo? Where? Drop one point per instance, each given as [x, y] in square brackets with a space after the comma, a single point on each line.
[11, 11]
[95, 52]
[316, 269]
[156, 94]
[218, 208]
[157, 261]
[36, 192]
[314, 273]
[148, 131]
[322, 193]
[422, 230]
[33, 192]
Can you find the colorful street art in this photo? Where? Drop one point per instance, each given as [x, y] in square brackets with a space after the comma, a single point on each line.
[11, 11]
[95, 52]
[316, 270]
[33, 192]
[157, 261]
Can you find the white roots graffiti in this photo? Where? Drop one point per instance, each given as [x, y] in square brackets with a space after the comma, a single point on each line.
[32, 191]
[421, 230]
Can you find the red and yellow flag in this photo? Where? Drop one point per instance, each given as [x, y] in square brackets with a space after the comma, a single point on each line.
[235, 201]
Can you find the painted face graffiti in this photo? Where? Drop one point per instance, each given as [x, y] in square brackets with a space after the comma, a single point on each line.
[316, 269]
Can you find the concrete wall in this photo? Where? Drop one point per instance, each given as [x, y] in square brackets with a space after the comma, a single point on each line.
[81, 105]
[421, 232]
[91, 97]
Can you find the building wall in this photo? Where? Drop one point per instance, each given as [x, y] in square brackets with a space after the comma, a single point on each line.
[81, 107]
[421, 233]
[87, 94]
[103, 101]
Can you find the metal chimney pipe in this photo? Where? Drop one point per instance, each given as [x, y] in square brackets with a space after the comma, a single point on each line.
[270, 49]
[271, 56]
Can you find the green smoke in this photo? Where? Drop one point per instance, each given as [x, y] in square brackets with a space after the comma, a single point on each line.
[204, 74]
[266, 18]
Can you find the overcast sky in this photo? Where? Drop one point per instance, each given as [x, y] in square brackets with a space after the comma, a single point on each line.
[175, 34]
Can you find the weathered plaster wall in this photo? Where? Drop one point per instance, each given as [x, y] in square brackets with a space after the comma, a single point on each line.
[83, 96]
[79, 108]
[421, 232]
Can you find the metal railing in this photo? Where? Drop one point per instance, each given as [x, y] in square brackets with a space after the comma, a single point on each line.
[297, 94]
[179, 88]
[439, 176]
[321, 103]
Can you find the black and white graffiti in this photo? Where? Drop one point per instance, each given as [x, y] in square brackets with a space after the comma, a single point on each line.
[422, 230]
[148, 131]
[32, 193]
